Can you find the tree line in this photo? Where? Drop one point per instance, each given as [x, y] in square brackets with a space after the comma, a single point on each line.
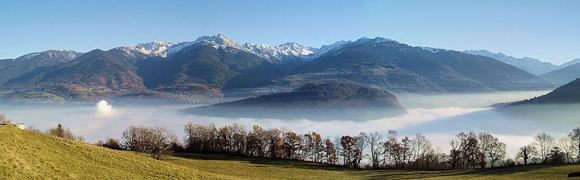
[468, 150]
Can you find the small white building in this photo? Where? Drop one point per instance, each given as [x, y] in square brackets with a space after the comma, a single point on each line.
[20, 126]
[17, 125]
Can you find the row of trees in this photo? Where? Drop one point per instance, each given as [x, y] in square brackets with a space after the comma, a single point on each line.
[546, 149]
[468, 150]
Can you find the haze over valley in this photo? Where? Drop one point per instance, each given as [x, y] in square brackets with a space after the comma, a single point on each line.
[290, 90]
[454, 93]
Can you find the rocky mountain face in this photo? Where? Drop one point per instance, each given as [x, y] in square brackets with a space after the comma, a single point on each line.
[337, 98]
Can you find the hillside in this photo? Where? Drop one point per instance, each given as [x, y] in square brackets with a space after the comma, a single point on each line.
[14, 68]
[566, 94]
[562, 76]
[317, 100]
[396, 67]
[34, 155]
[93, 75]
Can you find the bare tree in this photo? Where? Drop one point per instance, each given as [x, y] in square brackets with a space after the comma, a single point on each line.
[526, 153]
[421, 147]
[455, 153]
[566, 146]
[469, 149]
[492, 149]
[575, 137]
[156, 141]
[374, 142]
[160, 141]
[496, 152]
[544, 143]
[3, 120]
[351, 152]
[391, 150]
[292, 145]
[330, 152]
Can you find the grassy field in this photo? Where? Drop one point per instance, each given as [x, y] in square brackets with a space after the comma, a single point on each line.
[34, 155]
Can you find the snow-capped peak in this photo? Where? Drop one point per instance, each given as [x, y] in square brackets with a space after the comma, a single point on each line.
[219, 40]
[29, 55]
[156, 48]
[432, 50]
[61, 54]
[282, 51]
[376, 40]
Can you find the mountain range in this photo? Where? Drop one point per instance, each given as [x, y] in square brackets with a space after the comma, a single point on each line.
[531, 65]
[556, 74]
[204, 67]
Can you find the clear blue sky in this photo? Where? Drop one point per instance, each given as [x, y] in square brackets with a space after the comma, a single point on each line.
[547, 30]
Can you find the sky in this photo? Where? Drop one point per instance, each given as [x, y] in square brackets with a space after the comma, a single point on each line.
[547, 30]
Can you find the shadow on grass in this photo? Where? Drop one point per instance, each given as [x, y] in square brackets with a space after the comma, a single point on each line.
[364, 174]
[261, 161]
[409, 174]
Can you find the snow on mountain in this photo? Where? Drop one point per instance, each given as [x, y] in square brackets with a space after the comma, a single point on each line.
[28, 56]
[219, 41]
[432, 50]
[335, 48]
[286, 51]
[155, 48]
[281, 52]
[50, 54]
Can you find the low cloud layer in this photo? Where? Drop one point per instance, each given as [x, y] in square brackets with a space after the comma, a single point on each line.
[438, 124]
[104, 109]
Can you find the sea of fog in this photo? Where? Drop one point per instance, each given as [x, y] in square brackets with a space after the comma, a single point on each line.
[438, 117]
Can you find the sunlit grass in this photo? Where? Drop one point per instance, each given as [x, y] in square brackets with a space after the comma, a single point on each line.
[34, 155]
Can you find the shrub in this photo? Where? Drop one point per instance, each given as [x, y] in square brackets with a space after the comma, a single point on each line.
[61, 132]
[110, 143]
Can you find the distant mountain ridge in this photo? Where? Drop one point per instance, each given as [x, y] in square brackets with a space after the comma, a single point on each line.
[399, 67]
[564, 75]
[569, 63]
[212, 63]
[13, 68]
[558, 75]
[531, 65]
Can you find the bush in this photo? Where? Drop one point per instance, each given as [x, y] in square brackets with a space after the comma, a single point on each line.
[3, 120]
[509, 163]
[110, 143]
[156, 141]
[61, 132]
